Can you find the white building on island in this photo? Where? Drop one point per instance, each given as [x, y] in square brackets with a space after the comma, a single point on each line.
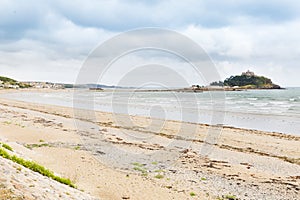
[248, 73]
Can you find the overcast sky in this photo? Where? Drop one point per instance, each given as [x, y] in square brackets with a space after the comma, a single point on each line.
[50, 40]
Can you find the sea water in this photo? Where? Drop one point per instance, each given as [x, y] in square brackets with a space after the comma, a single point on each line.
[266, 110]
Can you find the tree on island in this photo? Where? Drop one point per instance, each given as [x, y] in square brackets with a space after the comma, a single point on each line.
[250, 80]
[247, 80]
[217, 83]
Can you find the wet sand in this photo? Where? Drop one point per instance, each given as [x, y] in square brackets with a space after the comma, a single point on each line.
[115, 156]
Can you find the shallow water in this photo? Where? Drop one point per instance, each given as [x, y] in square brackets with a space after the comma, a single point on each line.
[267, 110]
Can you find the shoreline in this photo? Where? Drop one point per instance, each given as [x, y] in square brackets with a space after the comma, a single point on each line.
[90, 151]
[233, 119]
[141, 116]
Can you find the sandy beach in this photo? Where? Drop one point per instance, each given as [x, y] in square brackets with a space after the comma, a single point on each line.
[109, 158]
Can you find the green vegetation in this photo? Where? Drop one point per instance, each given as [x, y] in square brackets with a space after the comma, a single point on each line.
[23, 85]
[159, 170]
[7, 122]
[217, 83]
[77, 148]
[192, 194]
[230, 197]
[247, 80]
[244, 80]
[159, 176]
[144, 174]
[31, 146]
[139, 169]
[144, 171]
[138, 164]
[203, 179]
[6, 146]
[9, 81]
[4, 154]
[250, 82]
[20, 125]
[36, 167]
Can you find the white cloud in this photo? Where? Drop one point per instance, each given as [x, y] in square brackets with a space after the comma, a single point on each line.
[49, 41]
[268, 49]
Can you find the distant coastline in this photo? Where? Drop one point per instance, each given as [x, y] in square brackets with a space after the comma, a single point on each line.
[246, 81]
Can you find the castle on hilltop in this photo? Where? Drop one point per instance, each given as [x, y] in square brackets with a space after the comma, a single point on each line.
[248, 73]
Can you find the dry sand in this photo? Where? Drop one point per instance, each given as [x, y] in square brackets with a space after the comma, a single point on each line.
[110, 158]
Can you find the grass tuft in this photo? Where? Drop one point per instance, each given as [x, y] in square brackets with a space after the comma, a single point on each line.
[144, 174]
[140, 169]
[36, 168]
[77, 148]
[31, 146]
[230, 197]
[138, 164]
[6, 146]
[192, 194]
[159, 176]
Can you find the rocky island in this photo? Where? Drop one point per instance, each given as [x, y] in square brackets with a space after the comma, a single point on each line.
[247, 80]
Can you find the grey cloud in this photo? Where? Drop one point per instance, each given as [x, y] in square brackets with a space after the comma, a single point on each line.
[123, 15]
[19, 16]
[58, 35]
